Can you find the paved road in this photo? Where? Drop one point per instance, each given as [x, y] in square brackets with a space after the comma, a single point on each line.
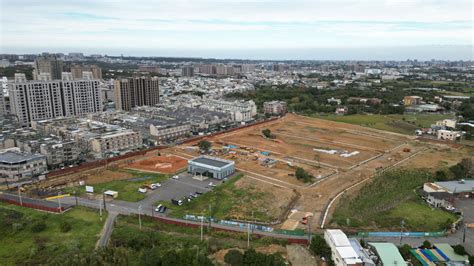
[107, 230]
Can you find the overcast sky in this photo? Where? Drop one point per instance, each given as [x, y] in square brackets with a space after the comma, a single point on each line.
[264, 29]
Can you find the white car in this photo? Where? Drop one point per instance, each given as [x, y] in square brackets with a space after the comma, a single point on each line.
[142, 190]
[157, 209]
[175, 177]
[155, 186]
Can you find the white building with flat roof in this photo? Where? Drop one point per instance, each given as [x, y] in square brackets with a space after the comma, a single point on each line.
[342, 251]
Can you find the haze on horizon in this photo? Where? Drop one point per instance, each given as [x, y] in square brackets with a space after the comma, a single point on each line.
[263, 29]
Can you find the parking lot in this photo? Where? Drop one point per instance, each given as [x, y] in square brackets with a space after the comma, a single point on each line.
[178, 189]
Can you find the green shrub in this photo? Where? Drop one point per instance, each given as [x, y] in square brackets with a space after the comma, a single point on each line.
[65, 227]
[38, 226]
[234, 258]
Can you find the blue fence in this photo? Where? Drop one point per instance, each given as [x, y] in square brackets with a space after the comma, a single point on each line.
[404, 234]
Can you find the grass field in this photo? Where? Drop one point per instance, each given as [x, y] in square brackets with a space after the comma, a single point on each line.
[387, 200]
[157, 238]
[127, 189]
[227, 202]
[403, 124]
[23, 243]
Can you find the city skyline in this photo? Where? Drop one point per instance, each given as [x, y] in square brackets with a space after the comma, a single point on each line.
[353, 30]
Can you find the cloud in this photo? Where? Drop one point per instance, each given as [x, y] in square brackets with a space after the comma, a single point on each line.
[232, 24]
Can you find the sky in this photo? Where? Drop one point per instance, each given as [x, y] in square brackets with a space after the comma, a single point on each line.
[262, 29]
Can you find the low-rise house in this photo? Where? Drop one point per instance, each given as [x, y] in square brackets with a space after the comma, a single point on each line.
[275, 107]
[341, 110]
[113, 142]
[412, 100]
[16, 165]
[169, 132]
[449, 123]
[444, 134]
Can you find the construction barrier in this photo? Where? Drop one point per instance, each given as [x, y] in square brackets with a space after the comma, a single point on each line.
[403, 234]
[32, 204]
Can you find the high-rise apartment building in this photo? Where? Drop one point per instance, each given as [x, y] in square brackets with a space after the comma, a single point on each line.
[133, 92]
[49, 64]
[77, 70]
[187, 71]
[46, 98]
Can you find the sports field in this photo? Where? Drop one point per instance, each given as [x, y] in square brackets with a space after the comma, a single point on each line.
[159, 164]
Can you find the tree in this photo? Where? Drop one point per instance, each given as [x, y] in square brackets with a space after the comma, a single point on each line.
[204, 146]
[405, 251]
[234, 258]
[301, 174]
[267, 133]
[426, 244]
[320, 248]
[458, 249]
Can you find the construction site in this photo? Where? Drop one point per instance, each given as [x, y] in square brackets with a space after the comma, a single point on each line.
[340, 157]
[337, 155]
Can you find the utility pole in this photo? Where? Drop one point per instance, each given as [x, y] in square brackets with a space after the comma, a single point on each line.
[309, 229]
[100, 210]
[19, 195]
[210, 219]
[75, 196]
[464, 234]
[202, 224]
[139, 216]
[103, 199]
[59, 202]
[248, 235]
[402, 223]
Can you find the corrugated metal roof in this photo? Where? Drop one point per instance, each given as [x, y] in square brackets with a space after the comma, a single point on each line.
[388, 253]
[449, 251]
[338, 237]
[457, 186]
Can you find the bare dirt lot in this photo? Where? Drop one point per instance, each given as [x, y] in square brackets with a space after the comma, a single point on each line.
[296, 139]
[167, 164]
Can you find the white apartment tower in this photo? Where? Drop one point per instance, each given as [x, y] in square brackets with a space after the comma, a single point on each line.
[46, 98]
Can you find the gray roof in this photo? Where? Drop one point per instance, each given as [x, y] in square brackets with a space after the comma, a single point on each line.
[216, 162]
[11, 157]
[457, 186]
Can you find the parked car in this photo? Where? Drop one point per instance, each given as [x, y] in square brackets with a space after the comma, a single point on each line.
[155, 186]
[142, 189]
[177, 202]
[158, 208]
[175, 177]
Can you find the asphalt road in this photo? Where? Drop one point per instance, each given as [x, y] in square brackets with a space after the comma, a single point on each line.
[107, 230]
